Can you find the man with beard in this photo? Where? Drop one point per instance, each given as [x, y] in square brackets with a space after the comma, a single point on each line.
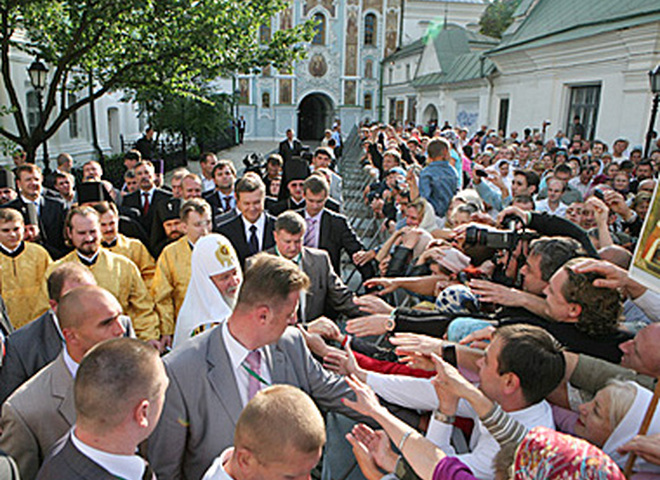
[173, 267]
[130, 248]
[114, 272]
[214, 283]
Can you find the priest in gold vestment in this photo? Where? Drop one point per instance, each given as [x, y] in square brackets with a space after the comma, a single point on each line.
[23, 267]
[123, 245]
[116, 273]
[173, 267]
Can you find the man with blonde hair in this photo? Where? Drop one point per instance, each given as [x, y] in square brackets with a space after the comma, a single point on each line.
[215, 374]
[280, 433]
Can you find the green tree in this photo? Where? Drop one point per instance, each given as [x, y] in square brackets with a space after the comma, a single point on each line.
[497, 17]
[202, 121]
[166, 46]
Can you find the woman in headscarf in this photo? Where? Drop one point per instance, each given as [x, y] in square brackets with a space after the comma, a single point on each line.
[614, 417]
[215, 279]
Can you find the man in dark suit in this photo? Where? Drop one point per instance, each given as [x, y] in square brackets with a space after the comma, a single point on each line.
[252, 230]
[51, 211]
[222, 199]
[64, 165]
[36, 415]
[146, 200]
[7, 186]
[252, 349]
[327, 293]
[119, 390]
[290, 147]
[328, 230]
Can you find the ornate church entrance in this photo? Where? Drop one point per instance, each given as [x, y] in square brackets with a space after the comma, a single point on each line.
[315, 114]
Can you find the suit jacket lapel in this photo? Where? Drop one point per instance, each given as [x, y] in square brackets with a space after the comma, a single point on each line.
[324, 229]
[53, 343]
[221, 375]
[62, 389]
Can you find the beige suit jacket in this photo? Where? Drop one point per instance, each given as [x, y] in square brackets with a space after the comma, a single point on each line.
[36, 415]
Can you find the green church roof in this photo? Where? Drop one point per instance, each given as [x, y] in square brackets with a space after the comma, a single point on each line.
[553, 21]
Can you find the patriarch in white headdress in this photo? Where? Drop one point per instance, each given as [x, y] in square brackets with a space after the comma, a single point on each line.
[214, 283]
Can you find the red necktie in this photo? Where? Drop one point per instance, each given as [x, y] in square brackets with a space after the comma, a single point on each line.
[145, 208]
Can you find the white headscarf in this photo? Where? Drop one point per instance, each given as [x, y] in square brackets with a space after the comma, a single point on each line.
[212, 255]
[628, 428]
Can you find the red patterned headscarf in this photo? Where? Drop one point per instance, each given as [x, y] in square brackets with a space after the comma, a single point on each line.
[546, 454]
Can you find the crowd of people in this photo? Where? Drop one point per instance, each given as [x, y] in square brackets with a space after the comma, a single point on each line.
[201, 327]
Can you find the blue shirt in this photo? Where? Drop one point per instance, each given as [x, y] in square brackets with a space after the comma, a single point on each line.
[438, 183]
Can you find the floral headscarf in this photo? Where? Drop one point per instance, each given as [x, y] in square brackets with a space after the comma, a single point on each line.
[546, 454]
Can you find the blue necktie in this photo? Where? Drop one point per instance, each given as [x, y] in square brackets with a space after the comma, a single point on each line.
[253, 242]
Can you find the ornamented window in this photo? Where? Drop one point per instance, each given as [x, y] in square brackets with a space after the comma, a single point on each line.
[584, 102]
[368, 69]
[368, 101]
[264, 33]
[319, 28]
[370, 29]
[265, 100]
[73, 118]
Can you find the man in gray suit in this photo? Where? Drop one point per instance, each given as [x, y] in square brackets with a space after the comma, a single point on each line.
[36, 415]
[326, 291]
[33, 346]
[119, 392]
[213, 375]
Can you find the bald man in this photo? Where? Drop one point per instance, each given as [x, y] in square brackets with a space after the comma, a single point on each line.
[36, 415]
[279, 434]
[33, 346]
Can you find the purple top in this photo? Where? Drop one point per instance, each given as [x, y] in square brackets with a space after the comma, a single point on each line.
[451, 468]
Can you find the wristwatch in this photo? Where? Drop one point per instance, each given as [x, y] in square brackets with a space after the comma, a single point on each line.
[441, 417]
[390, 323]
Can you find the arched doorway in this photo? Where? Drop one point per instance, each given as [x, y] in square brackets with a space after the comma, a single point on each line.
[430, 114]
[315, 114]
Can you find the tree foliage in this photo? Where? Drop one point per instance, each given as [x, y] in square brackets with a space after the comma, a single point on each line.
[167, 46]
[497, 17]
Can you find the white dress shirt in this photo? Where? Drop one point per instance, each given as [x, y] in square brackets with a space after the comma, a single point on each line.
[261, 226]
[150, 194]
[70, 363]
[207, 184]
[543, 206]
[419, 393]
[128, 467]
[217, 469]
[37, 203]
[237, 355]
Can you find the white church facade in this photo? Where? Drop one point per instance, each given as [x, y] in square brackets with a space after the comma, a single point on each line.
[341, 76]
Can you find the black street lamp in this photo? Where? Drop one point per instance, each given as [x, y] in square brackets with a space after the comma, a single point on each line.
[38, 73]
[654, 78]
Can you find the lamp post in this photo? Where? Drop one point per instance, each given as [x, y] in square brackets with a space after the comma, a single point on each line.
[38, 73]
[654, 78]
